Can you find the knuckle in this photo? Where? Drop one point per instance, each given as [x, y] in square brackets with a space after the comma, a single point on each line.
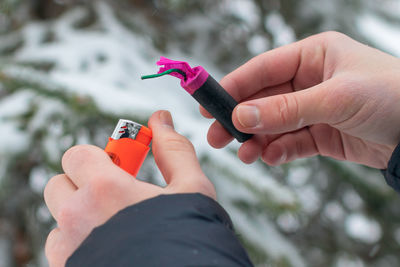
[99, 187]
[333, 35]
[66, 215]
[299, 148]
[51, 185]
[288, 109]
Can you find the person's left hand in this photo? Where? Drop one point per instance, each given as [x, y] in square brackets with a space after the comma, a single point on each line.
[93, 188]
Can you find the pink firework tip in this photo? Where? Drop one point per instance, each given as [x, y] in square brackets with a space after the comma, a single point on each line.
[195, 77]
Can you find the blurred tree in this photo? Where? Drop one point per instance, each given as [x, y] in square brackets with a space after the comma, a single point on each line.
[59, 61]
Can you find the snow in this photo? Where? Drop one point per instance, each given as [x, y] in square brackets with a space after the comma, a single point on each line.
[310, 198]
[105, 63]
[261, 232]
[258, 44]
[346, 260]
[245, 10]
[114, 84]
[334, 212]
[255, 175]
[369, 177]
[15, 104]
[5, 252]
[362, 228]
[38, 179]
[298, 176]
[352, 200]
[282, 33]
[391, 7]
[384, 34]
[288, 222]
[43, 214]
[13, 139]
[397, 235]
[256, 228]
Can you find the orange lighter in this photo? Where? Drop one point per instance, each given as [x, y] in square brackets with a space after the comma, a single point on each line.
[129, 145]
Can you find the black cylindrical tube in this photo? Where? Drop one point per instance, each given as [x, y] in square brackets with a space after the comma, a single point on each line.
[220, 104]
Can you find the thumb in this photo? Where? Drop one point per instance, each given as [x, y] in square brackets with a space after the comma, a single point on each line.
[173, 153]
[287, 112]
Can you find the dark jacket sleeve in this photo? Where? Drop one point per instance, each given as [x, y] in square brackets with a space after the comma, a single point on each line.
[392, 173]
[168, 230]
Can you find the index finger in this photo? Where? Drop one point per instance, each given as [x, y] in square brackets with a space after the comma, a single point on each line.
[85, 163]
[301, 62]
[265, 70]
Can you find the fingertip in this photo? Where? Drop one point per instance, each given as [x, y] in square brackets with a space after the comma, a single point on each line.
[217, 136]
[274, 154]
[250, 151]
[154, 118]
[161, 118]
[205, 113]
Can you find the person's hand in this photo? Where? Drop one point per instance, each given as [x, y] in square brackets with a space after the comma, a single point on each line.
[93, 189]
[326, 94]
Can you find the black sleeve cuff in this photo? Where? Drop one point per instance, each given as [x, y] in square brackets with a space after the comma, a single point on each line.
[392, 173]
[168, 230]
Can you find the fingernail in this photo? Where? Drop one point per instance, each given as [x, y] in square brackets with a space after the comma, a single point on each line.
[283, 157]
[248, 116]
[275, 155]
[166, 119]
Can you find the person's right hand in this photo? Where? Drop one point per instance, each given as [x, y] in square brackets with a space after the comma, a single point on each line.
[326, 94]
[93, 188]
